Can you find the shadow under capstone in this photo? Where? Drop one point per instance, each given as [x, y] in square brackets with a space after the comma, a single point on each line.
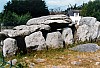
[21, 44]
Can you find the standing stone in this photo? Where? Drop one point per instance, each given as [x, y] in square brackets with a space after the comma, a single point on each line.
[86, 32]
[54, 40]
[9, 47]
[88, 21]
[35, 40]
[67, 36]
[95, 31]
[83, 33]
[98, 25]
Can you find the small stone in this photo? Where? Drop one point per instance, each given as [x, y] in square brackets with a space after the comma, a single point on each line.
[90, 61]
[27, 61]
[97, 63]
[75, 63]
[80, 60]
[24, 57]
[14, 61]
[78, 57]
[31, 65]
[40, 60]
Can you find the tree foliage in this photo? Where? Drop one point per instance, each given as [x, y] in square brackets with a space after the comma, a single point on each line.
[13, 19]
[73, 7]
[18, 12]
[35, 7]
[91, 9]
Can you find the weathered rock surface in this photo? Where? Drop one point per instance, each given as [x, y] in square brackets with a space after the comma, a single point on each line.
[9, 47]
[44, 27]
[83, 33]
[88, 21]
[14, 33]
[86, 32]
[95, 30]
[35, 40]
[32, 28]
[67, 36]
[89, 47]
[55, 21]
[98, 28]
[48, 19]
[54, 40]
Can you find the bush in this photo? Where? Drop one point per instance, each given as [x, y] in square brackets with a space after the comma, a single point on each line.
[91, 9]
[12, 19]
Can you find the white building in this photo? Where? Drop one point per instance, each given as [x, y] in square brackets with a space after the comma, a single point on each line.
[74, 16]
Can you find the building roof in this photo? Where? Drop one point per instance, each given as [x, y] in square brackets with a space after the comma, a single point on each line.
[71, 12]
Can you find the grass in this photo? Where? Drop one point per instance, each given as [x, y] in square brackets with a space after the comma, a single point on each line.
[59, 57]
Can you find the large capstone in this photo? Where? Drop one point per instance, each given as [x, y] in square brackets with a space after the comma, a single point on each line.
[9, 47]
[48, 19]
[15, 33]
[32, 28]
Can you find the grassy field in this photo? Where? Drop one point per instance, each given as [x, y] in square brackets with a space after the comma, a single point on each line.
[58, 58]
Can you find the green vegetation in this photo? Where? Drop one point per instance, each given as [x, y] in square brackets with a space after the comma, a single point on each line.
[13, 19]
[91, 9]
[19, 12]
[36, 8]
[56, 57]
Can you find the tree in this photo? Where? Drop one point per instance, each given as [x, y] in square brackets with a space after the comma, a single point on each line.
[12, 19]
[73, 7]
[35, 7]
[92, 8]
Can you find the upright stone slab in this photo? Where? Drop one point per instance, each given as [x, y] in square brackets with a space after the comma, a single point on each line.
[9, 47]
[88, 21]
[89, 32]
[67, 36]
[35, 40]
[83, 33]
[54, 40]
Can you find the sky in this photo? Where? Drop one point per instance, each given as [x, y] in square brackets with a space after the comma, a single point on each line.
[52, 4]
